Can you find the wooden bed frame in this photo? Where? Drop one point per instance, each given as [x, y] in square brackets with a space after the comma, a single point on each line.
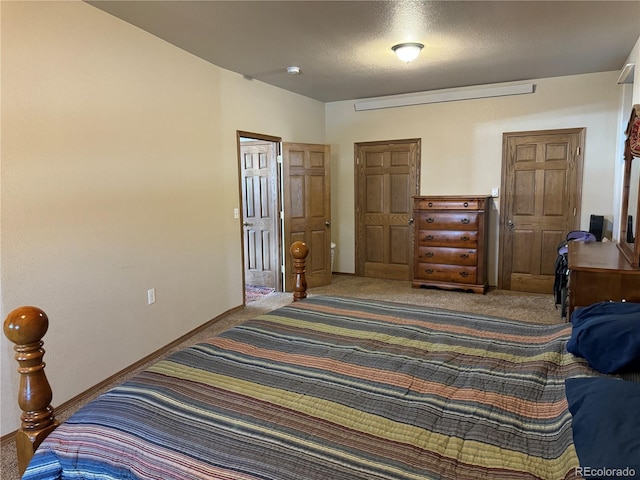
[25, 327]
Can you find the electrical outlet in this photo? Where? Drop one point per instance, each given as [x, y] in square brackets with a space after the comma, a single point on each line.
[495, 192]
[151, 296]
[236, 213]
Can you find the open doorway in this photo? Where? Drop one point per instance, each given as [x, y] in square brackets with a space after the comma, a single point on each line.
[285, 197]
[261, 204]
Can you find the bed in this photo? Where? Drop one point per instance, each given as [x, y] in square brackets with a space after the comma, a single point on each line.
[334, 388]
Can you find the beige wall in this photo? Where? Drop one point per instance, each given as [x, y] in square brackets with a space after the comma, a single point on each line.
[119, 174]
[630, 95]
[462, 145]
[634, 57]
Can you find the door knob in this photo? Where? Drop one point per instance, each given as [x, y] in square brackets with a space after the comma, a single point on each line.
[246, 224]
[510, 224]
[328, 224]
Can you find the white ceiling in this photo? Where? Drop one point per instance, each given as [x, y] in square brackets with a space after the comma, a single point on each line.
[344, 47]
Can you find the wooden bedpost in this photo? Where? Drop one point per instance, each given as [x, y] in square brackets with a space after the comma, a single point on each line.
[299, 250]
[25, 327]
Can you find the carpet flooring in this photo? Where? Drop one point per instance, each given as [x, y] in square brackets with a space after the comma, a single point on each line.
[534, 308]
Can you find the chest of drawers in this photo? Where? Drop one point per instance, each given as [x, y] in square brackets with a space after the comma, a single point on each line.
[450, 241]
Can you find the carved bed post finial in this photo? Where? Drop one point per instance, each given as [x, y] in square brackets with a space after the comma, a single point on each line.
[299, 250]
[25, 327]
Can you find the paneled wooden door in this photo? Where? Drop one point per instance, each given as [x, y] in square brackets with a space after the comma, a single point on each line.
[541, 193]
[387, 176]
[260, 213]
[307, 209]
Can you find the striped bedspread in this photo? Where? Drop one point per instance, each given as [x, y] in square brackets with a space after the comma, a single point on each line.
[333, 388]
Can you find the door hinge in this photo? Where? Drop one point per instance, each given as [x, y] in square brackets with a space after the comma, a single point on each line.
[577, 151]
[357, 160]
[282, 269]
[279, 158]
[281, 214]
[575, 210]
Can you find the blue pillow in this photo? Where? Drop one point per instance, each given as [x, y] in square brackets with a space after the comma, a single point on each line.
[606, 426]
[607, 335]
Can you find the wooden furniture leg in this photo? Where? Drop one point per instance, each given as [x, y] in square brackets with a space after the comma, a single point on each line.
[299, 251]
[25, 327]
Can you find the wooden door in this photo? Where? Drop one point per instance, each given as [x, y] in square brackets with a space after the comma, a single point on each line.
[541, 190]
[260, 213]
[307, 209]
[387, 176]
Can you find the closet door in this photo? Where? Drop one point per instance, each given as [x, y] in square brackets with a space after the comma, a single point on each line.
[541, 190]
[387, 176]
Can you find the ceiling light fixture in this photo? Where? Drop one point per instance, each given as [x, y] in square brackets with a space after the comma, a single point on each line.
[407, 52]
[293, 70]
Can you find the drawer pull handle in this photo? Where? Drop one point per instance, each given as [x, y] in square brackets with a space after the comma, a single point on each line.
[465, 204]
[430, 220]
[464, 238]
[430, 204]
[465, 221]
[429, 237]
[464, 255]
[429, 271]
[464, 274]
[428, 254]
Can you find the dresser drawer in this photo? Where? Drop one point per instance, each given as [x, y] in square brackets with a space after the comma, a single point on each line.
[587, 287]
[443, 204]
[448, 238]
[448, 221]
[445, 273]
[453, 256]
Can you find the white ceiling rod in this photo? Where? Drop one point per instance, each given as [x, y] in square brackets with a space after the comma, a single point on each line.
[438, 96]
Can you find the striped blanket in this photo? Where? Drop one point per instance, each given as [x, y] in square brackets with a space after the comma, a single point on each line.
[332, 388]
